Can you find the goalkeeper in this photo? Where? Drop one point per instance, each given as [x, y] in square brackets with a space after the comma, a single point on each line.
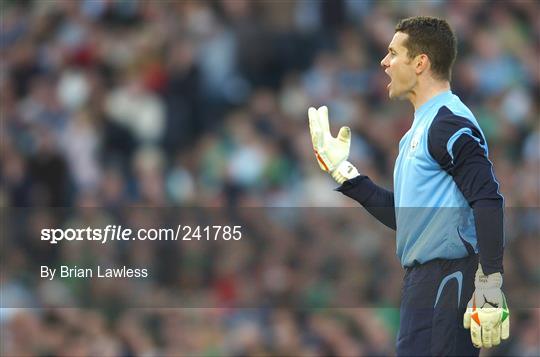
[445, 207]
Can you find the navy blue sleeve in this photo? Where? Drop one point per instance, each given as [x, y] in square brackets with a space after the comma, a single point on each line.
[459, 148]
[377, 201]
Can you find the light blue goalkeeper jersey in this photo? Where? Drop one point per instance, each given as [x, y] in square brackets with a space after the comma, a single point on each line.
[433, 218]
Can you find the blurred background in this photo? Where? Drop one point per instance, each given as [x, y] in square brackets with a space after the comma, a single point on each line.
[118, 103]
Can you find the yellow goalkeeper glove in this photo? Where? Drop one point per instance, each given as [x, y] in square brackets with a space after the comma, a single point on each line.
[331, 153]
[487, 313]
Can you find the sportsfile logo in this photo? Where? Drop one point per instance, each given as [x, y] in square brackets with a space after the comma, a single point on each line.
[110, 232]
[120, 233]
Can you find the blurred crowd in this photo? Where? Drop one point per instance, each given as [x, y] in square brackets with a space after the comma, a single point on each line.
[204, 102]
[115, 103]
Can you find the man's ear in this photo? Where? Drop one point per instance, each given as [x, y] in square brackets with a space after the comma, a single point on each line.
[422, 63]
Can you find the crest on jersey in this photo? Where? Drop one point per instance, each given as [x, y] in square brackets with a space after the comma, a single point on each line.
[415, 140]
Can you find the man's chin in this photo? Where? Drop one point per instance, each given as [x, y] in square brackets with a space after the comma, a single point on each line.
[391, 92]
[396, 96]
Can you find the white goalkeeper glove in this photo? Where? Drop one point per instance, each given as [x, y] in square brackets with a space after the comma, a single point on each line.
[487, 313]
[331, 153]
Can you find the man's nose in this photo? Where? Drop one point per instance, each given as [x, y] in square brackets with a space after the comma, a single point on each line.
[383, 62]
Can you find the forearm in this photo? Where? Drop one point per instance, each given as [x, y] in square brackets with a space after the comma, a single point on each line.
[489, 221]
[378, 201]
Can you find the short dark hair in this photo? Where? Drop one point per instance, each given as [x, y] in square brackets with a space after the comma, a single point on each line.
[433, 37]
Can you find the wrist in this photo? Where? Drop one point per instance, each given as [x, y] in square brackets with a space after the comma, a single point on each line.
[344, 171]
[484, 281]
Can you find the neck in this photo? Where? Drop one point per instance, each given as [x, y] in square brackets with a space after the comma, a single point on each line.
[427, 90]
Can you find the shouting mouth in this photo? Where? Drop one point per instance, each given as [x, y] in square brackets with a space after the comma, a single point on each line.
[390, 83]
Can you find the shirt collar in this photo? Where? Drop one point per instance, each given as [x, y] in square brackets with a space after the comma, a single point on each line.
[425, 107]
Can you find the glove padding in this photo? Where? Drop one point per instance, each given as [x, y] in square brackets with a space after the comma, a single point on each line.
[329, 151]
[487, 314]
